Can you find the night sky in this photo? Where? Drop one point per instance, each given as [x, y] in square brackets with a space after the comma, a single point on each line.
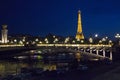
[40, 17]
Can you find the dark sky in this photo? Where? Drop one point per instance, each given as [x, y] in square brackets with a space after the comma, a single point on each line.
[40, 17]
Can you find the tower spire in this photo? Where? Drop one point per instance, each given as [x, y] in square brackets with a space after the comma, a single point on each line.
[79, 34]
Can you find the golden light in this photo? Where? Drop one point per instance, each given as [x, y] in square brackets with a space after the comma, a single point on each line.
[20, 42]
[100, 41]
[46, 39]
[90, 40]
[40, 42]
[73, 41]
[66, 39]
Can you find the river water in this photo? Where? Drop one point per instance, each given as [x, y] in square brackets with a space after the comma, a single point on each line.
[37, 59]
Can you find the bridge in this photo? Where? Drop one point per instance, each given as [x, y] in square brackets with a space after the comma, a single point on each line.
[98, 51]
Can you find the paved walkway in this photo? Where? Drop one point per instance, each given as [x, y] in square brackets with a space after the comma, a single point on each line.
[113, 74]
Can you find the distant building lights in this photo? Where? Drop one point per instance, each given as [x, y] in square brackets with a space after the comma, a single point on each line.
[47, 42]
[106, 37]
[90, 40]
[8, 41]
[55, 40]
[46, 39]
[103, 39]
[82, 41]
[15, 40]
[67, 39]
[11, 42]
[117, 35]
[36, 39]
[33, 42]
[110, 41]
[53, 36]
[73, 41]
[20, 42]
[27, 42]
[23, 40]
[40, 42]
[100, 41]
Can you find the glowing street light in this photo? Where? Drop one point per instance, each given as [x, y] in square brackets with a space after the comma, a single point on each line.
[36, 39]
[117, 36]
[40, 42]
[53, 36]
[90, 40]
[96, 35]
[103, 39]
[20, 42]
[110, 41]
[73, 41]
[55, 40]
[100, 41]
[82, 41]
[15, 40]
[46, 39]
[67, 39]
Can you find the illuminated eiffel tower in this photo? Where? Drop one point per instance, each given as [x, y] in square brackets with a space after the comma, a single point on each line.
[79, 34]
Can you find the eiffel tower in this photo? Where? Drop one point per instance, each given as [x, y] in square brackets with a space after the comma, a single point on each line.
[79, 34]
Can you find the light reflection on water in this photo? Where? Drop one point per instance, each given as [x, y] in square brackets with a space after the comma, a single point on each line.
[7, 67]
[14, 68]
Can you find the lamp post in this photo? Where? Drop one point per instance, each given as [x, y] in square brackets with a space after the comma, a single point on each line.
[96, 35]
[96, 39]
[117, 36]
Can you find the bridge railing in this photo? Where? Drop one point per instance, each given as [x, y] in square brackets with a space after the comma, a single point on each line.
[76, 45]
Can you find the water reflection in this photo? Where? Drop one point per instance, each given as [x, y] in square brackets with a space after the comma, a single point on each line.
[38, 59]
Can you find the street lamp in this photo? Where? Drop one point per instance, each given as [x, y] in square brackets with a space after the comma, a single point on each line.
[36, 39]
[40, 42]
[20, 42]
[100, 41]
[117, 36]
[103, 39]
[15, 40]
[55, 40]
[67, 39]
[91, 40]
[96, 35]
[73, 41]
[110, 41]
[82, 41]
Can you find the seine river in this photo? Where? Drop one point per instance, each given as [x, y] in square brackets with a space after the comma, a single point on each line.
[37, 59]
